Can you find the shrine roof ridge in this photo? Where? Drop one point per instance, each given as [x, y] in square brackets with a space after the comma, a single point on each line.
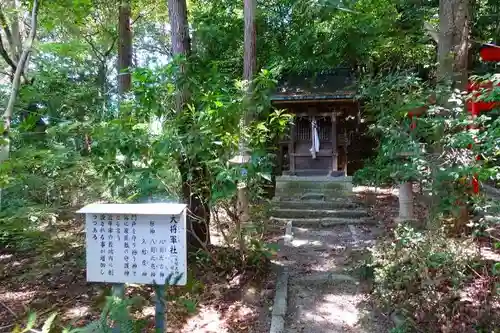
[160, 208]
[295, 97]
[338, 83]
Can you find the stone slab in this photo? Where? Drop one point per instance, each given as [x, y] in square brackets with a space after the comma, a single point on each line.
[318, 213]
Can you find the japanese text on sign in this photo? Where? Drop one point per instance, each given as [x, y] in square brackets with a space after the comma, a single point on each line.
[134, 248]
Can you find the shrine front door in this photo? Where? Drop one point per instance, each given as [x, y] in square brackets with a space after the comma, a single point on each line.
[312, 151]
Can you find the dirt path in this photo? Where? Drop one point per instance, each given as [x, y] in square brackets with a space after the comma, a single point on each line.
[323, 296]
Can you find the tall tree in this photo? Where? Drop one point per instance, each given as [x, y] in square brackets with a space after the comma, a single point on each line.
[250, 37]
[453, 48]
[453, 42]
[124, 56]
[124, 48]
[193, 173]
[249, 67]
[19, 63]
[181, 44]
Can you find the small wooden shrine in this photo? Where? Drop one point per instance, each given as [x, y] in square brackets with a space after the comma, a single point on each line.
[328, 133]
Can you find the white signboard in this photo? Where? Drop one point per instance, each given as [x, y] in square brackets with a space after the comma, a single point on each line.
[136, 243]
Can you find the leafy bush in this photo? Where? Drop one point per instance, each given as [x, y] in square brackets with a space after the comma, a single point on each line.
[436, 148]
[115, 313]
[421, 274]
[42, 185]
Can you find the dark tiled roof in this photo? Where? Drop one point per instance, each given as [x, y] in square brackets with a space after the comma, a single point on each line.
[332, 84]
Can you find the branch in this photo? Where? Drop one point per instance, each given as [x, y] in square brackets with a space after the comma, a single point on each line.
[435, 35]
[135, 20]
[9, 309]
[111, 48]
[6, 57]
[5, 26]
[115, 37]
[93, 47]
[20, 67]
[3, 72]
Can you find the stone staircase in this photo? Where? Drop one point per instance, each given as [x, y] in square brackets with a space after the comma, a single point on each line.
[317, 201]
[325, 227]
[312, 187]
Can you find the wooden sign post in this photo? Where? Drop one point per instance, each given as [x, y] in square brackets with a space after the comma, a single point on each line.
[137, 243]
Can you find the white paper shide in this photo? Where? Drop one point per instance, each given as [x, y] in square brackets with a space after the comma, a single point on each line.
[136, 243]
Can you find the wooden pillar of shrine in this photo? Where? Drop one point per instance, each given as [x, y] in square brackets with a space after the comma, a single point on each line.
[291, 148]
[335, 153]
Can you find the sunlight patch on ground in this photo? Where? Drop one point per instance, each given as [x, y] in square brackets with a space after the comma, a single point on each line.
[321, 267]
[333, 310]
[5, 257]
[17, 296]
[77, 312]
[488, 254]
[251, 293]
[17, 263]
[337, 306]
[377, 190]
[301, 242]
[210, 320]
[148, 311]
[240, 310]
[238, 313]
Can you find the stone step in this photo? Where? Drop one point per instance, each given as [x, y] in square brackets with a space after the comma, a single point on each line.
[315, 204]
[318, 213]
[311, 194]
[335, 276]
[325, 222]
[297, 187]
[318, 196]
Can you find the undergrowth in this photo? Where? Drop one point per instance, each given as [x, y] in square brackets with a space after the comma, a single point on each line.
[431, 280]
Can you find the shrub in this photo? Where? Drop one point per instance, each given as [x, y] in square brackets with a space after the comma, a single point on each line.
[421, 273]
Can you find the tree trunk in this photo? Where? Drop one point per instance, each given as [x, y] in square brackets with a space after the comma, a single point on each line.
[453, 48]
[249, 67]
[15, 86]
[196, 193]
[124, 62]
[195, 187]
[181, 44]
[250, 57]
[124, 48]
[453, 41]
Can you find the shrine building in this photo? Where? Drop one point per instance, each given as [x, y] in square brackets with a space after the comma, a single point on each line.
[328, 136]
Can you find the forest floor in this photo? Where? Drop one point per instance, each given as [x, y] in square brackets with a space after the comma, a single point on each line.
[228, 299]
[469, 307]
[227, 296]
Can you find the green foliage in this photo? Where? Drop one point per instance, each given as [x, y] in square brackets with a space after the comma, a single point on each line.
[399, 329]
[75, 146]
[421, 274]
[389, 98]
[40, 185]
[127, 151]
[78, 145]
[436, 151]
[303, 35]
[29, 325]
[115, 313]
